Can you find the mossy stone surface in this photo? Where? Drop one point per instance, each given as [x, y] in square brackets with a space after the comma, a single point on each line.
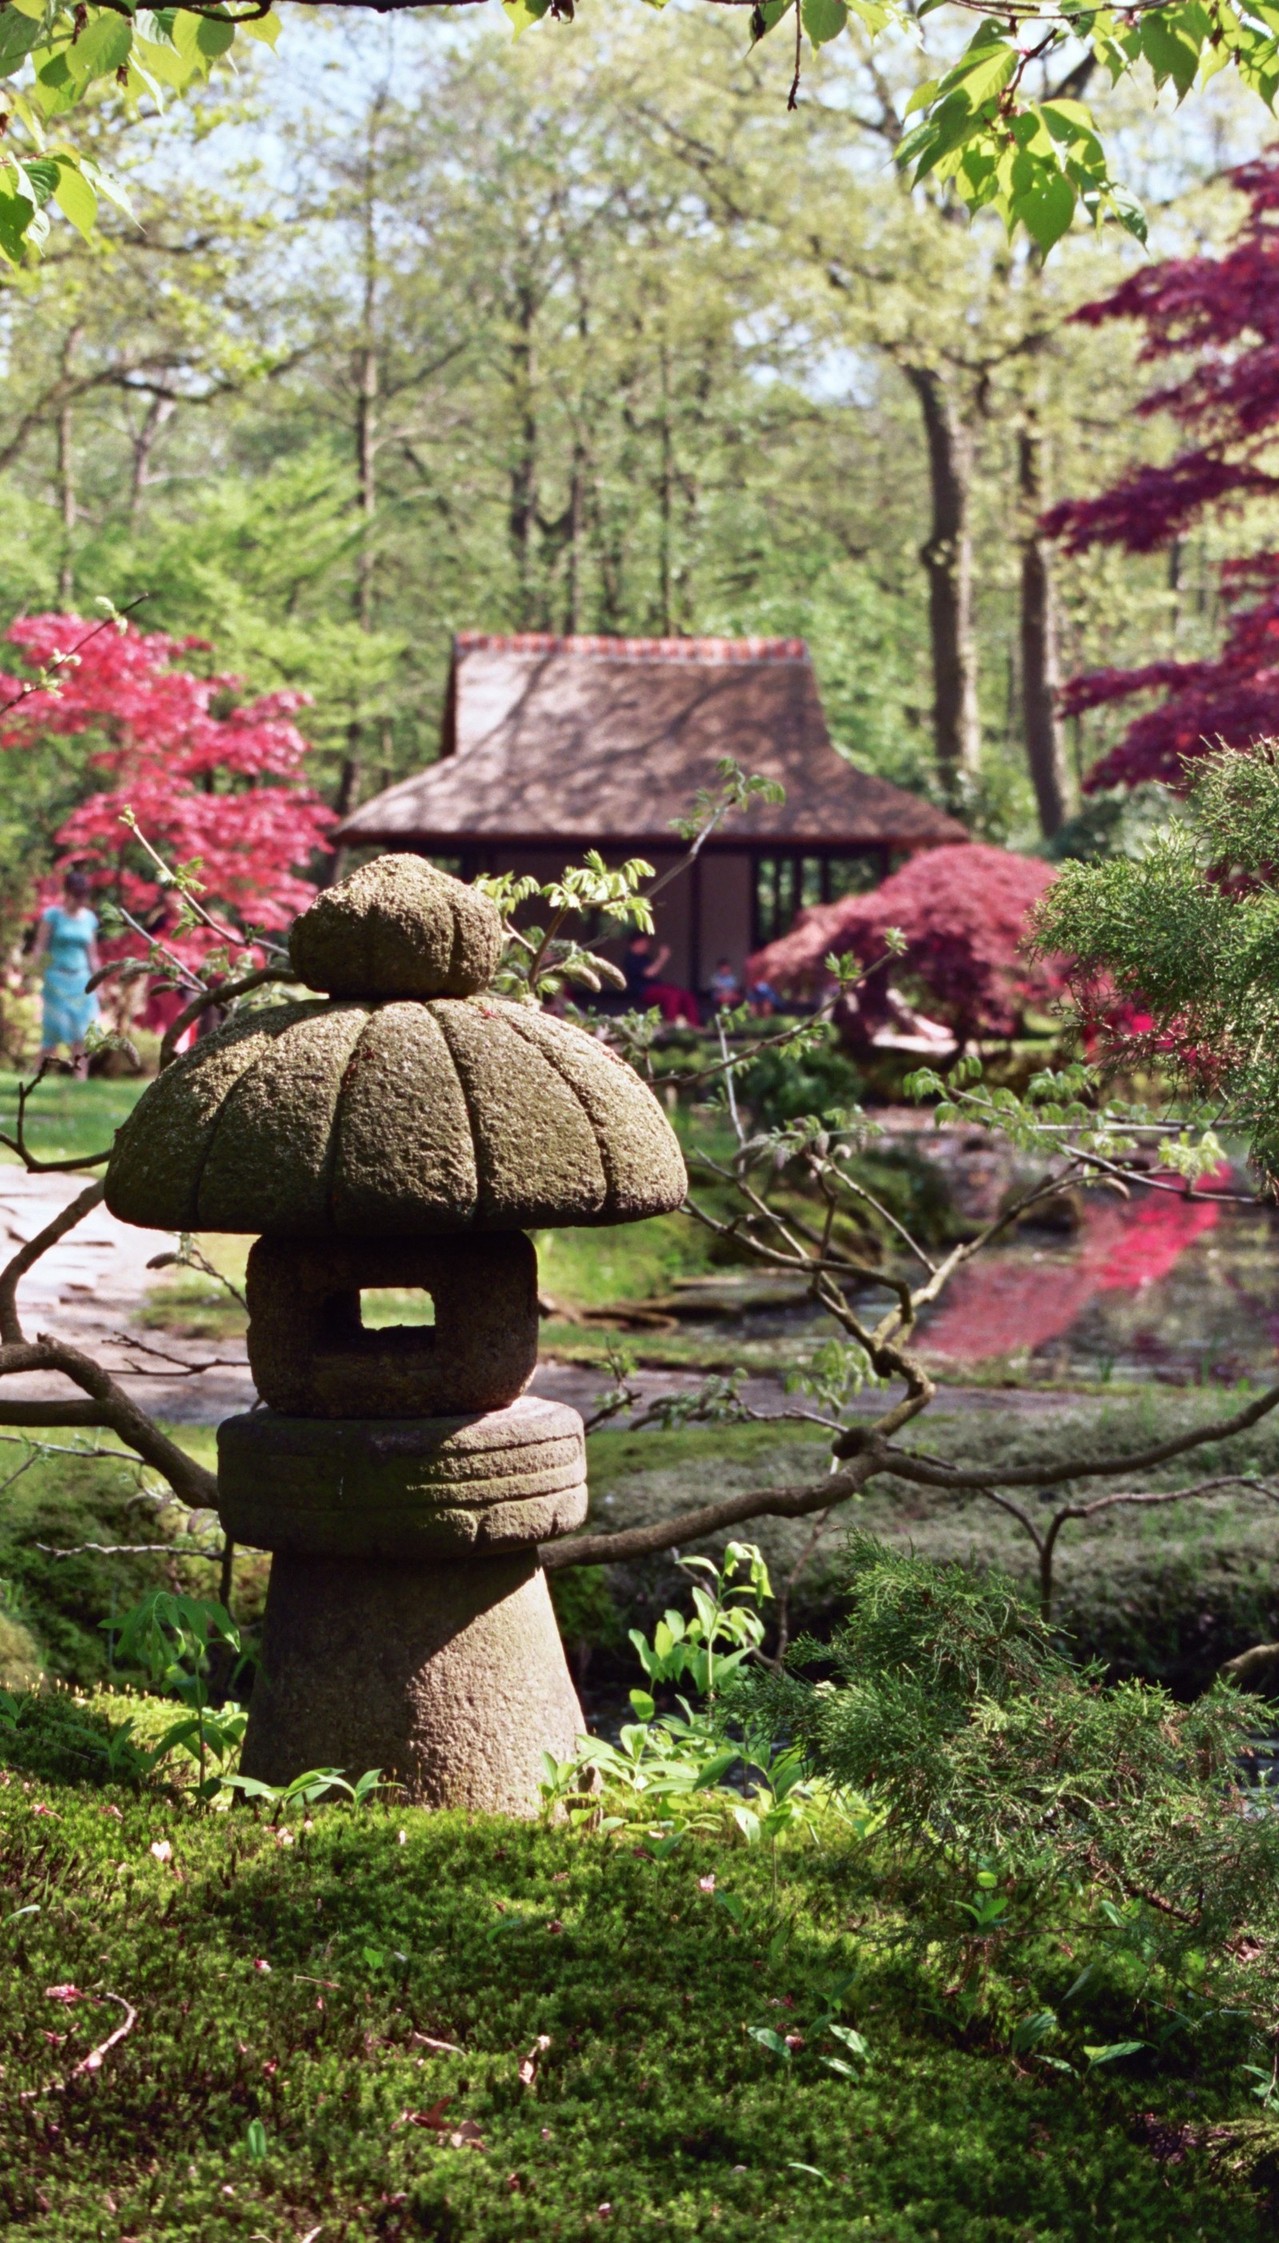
[328, 1487]
[398, 928]
[311, 1356]
[405, 1156]
[158, 1158]
[537, 1156]
[639, 1150]
[406, 1119]
[274, 1142]
[449, 1677]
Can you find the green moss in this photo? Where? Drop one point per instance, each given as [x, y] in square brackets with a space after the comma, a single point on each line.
[20, 1661]
[622, 1262]
[1166, 1593]
[619, 1982]
[53, 1606]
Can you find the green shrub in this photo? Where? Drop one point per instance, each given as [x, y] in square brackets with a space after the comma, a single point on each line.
[998, 1760]
[65, 1501]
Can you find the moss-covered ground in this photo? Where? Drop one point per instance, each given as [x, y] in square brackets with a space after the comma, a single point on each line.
[396, 2024]
[1165, 1593]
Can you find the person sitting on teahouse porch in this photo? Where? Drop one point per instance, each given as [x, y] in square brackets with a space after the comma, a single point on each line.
[642, 966]
[726, 989]
[67, 939]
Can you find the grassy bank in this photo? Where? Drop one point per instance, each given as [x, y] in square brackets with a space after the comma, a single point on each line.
[1167, 1593]
[406, 2025]
[66, 1119]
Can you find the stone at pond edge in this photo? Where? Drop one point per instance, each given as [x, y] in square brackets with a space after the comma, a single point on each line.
[398, 928]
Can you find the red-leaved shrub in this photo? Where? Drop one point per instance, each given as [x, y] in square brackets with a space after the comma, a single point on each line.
[206, 772]
[963, 911]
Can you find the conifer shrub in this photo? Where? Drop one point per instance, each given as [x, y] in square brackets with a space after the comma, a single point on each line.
[997, 1760]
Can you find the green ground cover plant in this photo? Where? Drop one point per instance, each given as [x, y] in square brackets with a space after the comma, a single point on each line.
[675, 2008]
[1170, 1594]
[1166, 1593]
[477, 2030]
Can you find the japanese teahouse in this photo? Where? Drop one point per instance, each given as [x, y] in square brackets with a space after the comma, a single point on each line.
[554, 745]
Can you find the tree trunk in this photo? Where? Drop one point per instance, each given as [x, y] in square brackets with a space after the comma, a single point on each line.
[367, 386]
[666, 478]
[66, 476]
[948, 562]
[159, 410]
[522, 514]
[1041, 724]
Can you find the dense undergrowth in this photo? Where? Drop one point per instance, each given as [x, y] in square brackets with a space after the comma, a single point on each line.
[403, 2024]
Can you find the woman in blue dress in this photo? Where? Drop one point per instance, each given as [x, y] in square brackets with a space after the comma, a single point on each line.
[67, 940]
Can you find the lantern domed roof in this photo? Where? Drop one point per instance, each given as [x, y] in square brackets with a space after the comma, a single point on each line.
[409, 1102]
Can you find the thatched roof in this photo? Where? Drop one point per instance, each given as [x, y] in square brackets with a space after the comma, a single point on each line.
[605, 741]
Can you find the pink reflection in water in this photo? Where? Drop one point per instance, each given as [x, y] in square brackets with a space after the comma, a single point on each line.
[1012, 1302]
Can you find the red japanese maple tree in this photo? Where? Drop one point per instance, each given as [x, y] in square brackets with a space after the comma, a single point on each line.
[205, 772]
[963, 913]
[1224, 310]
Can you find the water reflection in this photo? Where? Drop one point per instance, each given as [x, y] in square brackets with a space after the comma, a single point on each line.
[1162, 1286]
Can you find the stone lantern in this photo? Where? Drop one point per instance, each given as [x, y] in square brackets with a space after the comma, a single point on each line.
[406, 1130]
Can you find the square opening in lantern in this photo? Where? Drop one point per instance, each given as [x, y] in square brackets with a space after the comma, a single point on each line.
[388, 1307]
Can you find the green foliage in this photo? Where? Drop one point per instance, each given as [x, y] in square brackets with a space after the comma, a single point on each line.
[981, 129]
[485, 2029]
[1167, 1595]
[780, 1086]
[55, 57]
[1190, 934]
[174, 1639]
[992, 1754]
[725, 1629]
[61, 1736]
[70, 1501]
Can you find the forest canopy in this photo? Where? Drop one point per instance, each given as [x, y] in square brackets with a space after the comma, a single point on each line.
[1001, 122]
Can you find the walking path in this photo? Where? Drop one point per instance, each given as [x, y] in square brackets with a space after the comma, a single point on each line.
[88, 1289]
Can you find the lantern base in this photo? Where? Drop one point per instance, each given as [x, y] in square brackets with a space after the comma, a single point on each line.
[449, 1676]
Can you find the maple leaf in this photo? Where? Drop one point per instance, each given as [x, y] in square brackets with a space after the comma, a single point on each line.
[209, 773]
[958, 918]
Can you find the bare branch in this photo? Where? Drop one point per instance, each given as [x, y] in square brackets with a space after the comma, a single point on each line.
[711, 1518]
[931, 1472]
[223, 996]
[126, 1550]
[93, 2061]
[113, 1410]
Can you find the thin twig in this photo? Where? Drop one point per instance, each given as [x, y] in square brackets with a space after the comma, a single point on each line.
[177, 1028]
[63, 661]
[125, 1550]
[93, 2062]
[930, 1471]
[11, 1332]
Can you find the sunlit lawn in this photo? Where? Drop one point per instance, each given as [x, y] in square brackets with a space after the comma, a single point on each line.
[66, 1119]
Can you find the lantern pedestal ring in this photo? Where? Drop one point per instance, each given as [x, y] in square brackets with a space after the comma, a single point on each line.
[408, 1623]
